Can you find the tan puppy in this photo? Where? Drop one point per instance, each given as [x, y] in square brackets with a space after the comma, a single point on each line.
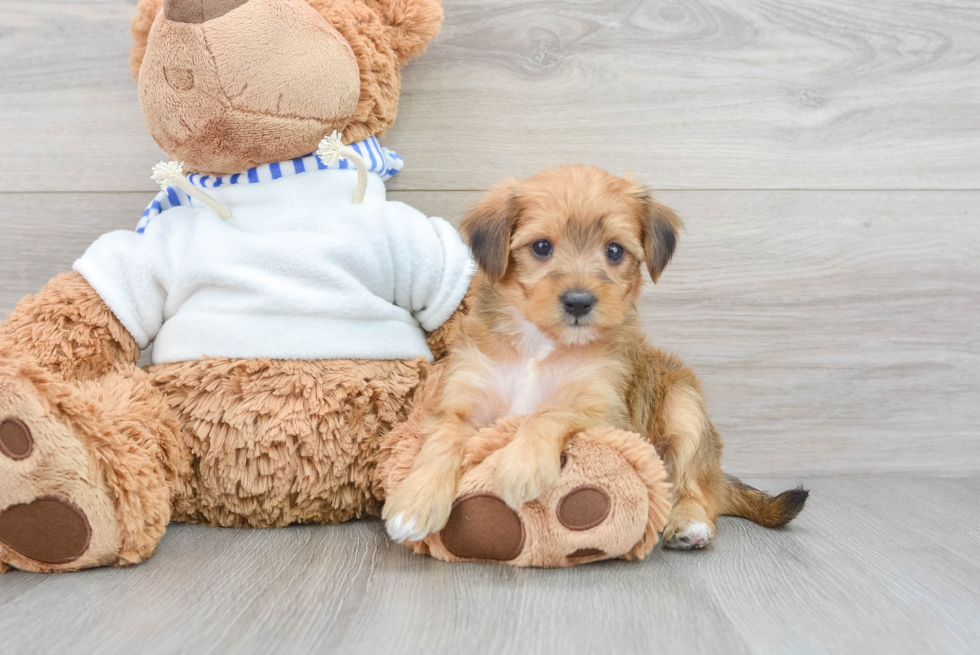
[553, 334]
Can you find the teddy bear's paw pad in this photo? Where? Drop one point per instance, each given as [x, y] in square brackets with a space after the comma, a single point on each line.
[583, 508]
[16, 441]
[49, 530]
[56, 513]
[482, 526]
[585, 554]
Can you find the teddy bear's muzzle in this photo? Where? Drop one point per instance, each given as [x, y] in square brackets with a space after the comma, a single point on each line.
[226, 85]
[198, 11]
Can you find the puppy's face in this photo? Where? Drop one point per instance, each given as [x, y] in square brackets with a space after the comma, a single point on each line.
[568, 246]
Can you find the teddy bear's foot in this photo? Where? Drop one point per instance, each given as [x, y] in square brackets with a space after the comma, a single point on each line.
[610, 501]
[482, 526]
[49, 529]
[54, 514]
[79, 483]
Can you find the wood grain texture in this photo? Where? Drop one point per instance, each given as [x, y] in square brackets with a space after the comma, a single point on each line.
[858, 572]
[688, 93]
[702, 93]
[833, 331]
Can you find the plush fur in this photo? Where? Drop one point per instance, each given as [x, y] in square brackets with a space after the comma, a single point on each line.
[219, 119]
[221, 442]
[278, 442]
[262, 83]
[110, 446]
[569, 233]
[68, 329]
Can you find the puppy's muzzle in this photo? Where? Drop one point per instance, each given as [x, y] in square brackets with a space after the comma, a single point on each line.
[578, 302]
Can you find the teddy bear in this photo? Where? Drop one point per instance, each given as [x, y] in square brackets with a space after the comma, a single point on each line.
[294, 315]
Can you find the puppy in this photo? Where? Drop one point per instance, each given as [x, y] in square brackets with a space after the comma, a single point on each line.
[553, 334]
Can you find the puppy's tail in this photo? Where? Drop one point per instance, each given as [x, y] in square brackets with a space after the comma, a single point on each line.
[759, 507]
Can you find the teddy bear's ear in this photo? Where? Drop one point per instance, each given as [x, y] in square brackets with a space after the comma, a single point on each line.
[412, 24]
[146, 12]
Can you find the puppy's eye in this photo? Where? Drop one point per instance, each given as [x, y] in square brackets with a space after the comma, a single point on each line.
[541, 248]
[615, 252]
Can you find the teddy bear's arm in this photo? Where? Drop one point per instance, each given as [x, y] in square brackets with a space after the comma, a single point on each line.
[68, 329]
[431, 265]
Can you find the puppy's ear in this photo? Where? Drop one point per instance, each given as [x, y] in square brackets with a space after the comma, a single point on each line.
[488, 227]
[660, 231]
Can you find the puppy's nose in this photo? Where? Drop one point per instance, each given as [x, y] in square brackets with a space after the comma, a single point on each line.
[578, 302]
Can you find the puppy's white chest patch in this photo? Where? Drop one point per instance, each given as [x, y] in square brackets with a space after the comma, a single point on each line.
[525, 384]
[528, 386]
[516, 386]
[523, 387]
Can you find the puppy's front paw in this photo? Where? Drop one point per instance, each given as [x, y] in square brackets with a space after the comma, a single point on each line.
[416, 510]
[521, 476]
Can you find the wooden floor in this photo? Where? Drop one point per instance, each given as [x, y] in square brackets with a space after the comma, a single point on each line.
[885, 564]
[825, 156]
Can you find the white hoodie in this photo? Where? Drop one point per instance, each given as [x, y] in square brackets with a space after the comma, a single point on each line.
[298, 272]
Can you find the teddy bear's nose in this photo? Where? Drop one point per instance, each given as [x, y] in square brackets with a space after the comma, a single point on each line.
[198, 11]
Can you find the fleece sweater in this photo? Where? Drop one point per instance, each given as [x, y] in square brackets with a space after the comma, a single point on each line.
[298, 272]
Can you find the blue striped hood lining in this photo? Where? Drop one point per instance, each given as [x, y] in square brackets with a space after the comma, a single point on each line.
[380, 160]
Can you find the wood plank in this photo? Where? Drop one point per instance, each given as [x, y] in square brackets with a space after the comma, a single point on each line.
[70, 109]
[833, 331]
[847, 577]
[837, 330]
[715, 94]
[690, 94]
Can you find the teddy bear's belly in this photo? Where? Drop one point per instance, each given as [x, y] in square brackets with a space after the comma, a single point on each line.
[276, 442]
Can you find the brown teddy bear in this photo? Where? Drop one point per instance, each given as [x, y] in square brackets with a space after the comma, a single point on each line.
[293, 313]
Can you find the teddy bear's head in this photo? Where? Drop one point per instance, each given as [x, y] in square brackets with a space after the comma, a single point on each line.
[226, 85]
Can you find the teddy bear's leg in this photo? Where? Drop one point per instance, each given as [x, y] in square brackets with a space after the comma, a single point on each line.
[611, 500]
[87, 468]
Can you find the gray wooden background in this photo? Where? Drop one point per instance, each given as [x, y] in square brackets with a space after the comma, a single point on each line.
[825, 155]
